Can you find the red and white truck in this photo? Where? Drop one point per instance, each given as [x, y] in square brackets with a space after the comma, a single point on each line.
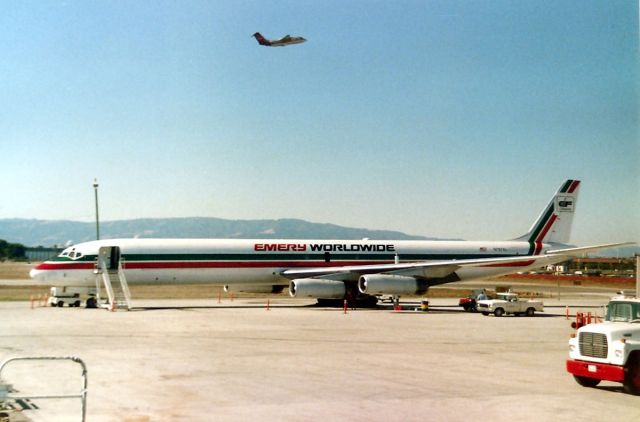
[609, 351]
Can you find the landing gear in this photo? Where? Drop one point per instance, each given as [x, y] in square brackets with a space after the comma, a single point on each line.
[361, 301]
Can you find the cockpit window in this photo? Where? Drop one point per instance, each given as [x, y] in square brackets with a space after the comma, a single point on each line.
[73, 254]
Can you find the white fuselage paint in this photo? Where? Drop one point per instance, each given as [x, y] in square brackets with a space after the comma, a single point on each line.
[261, 261]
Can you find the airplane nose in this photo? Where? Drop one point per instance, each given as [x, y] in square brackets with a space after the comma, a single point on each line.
[37, 273]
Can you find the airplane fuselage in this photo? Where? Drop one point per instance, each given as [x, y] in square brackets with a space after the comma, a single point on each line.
[262, 261]
[289, 41]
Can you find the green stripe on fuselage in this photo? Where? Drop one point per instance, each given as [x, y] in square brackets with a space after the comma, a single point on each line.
[290, 257]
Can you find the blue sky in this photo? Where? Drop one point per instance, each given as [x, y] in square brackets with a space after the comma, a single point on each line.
[439, 118]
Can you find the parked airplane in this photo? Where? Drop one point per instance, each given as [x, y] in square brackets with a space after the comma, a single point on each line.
[324, 269]
[286, 40]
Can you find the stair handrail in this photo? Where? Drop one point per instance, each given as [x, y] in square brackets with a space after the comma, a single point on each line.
[124, 284]
[107, 284]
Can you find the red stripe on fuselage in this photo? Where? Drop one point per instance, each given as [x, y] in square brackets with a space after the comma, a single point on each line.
[47, 265]
[244, 264]
[207, 264]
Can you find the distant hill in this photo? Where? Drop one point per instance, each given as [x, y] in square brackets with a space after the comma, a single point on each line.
[59, 232]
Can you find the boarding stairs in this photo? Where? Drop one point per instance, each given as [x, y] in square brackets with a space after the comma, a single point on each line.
[115, 284]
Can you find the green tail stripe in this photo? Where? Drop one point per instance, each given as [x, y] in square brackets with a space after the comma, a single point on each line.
[566, 186]
[547, 215]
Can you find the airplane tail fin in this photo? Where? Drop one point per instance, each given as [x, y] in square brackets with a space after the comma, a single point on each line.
[261, 40]
[554, 224]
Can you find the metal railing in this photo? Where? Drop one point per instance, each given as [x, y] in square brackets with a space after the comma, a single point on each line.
[82, 395]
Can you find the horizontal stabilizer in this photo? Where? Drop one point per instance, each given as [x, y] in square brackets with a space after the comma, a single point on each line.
[587, 249]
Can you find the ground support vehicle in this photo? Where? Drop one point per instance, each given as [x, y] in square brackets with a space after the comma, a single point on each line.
[468, 304]
[509, 303]
[72, 296]
[609, 351]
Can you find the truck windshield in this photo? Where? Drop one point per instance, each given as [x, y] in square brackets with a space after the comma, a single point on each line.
[623, 311]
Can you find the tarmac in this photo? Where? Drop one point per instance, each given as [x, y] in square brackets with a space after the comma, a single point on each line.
[200, 360]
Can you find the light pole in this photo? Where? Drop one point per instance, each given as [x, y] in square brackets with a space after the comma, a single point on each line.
[95, 188]
[638, 275]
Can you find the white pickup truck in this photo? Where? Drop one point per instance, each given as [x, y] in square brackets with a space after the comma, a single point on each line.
[509, 303]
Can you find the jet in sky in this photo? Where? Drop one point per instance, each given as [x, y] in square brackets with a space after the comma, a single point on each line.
[286, 40]
[330, 270]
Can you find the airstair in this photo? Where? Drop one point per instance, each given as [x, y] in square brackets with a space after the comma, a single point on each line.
[109, 269]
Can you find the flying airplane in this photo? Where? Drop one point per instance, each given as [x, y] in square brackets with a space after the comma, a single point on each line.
[324, 269]
[286, 40]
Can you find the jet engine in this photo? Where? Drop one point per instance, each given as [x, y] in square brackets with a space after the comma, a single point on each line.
[253, 288]
[317, 289]
[377, 284]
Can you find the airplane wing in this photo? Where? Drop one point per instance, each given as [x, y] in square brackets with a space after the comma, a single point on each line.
[440, 270]
[423, 269]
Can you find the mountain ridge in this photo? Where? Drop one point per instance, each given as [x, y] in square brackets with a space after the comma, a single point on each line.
[35, 232]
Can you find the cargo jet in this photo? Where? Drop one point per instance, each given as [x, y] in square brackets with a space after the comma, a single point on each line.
[286, 40]
[324, 269]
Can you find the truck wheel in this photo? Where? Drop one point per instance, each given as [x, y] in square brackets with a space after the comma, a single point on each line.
[586, 382]
[485, 313]
[60, 303]
[498, 312]
[631, 383]
[77, 304]
[530, 312]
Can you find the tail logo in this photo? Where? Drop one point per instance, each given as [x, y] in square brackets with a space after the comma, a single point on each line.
[565, 204]
[554, 224]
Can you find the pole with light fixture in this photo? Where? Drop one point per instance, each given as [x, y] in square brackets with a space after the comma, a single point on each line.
[95, 188]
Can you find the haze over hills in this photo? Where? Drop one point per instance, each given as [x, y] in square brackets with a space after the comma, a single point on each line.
[60, 232]
[47, 233]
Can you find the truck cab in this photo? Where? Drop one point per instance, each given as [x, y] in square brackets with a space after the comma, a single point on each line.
[609, 351]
